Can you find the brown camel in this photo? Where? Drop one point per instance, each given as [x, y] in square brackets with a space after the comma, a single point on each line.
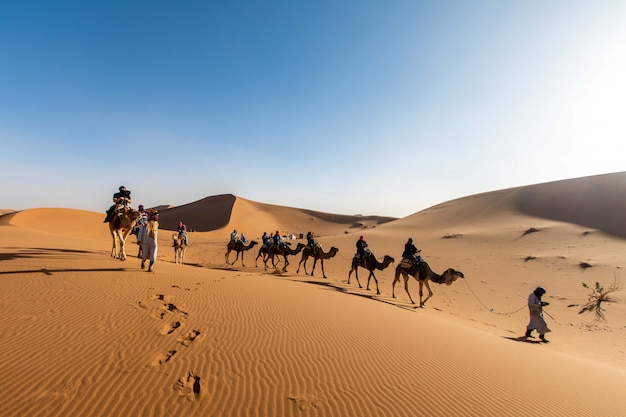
[263, 252]
[180, 246]
[283, 250]
[370, 263]
[317, 253]
[120, 226]
[238, 247]
[423, 274]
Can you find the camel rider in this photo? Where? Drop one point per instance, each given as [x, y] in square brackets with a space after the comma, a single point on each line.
[277, 239]
[311, 240]
[234, 237]
[182, 232]
[411, 252]
[121, 198]
[361, 246]
[267, 241]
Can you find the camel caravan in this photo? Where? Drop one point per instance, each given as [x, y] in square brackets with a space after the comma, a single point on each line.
[123, 220]
[412, 264]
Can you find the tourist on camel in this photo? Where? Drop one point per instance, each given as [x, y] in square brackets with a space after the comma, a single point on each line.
[361, 249]
[310, 240]
[121, 199]
[182, 232]
[411, 252]
[267, 241]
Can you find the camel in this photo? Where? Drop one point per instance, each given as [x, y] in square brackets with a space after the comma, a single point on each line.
[317, 253]
[180, 246]
[370, 263]
[284, 250]
[120, 226]
[238, 247]
[423, 274]
[263, 252]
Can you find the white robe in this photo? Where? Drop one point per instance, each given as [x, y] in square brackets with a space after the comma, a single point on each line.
[536, 315]
[149, 245]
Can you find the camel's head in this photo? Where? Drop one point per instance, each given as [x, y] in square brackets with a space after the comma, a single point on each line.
[388, 259]
[451, 275]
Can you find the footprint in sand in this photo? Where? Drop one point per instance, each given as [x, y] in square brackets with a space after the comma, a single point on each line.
[161, 359]
[190, 337]
[189, 386]
[168, 329]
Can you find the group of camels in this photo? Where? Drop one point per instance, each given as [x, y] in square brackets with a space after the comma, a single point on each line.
[422, 273]
[122, 225]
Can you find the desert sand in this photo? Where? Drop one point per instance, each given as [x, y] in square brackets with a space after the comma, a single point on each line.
[83, 334]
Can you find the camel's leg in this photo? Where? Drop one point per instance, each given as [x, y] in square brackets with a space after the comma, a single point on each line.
[430, 293]
[322, 264]
[406, 287]
[226, 257]
[375, 279]
[313, 268]
[356, 275]
[303, 259]
[114, 247]
[256, 260]
[396, 278]
[286, 264]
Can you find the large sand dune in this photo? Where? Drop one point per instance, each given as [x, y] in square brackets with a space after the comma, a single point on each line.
[87, 335]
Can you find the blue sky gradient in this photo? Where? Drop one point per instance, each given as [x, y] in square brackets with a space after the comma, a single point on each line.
[348, 106]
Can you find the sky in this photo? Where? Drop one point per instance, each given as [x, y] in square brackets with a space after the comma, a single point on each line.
[342, 106]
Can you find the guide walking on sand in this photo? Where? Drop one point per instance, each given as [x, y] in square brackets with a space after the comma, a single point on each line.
[535, 308]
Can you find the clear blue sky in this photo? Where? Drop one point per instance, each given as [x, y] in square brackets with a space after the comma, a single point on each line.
[344, 106]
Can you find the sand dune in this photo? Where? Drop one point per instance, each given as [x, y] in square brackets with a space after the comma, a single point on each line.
[87, 335]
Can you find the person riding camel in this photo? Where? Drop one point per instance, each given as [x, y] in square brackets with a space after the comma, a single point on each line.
[412, 252]
[121, 199]
[267, 241]
[361, 248]
[182, 232]
[311, 241]
[277, 239]
[234, 237]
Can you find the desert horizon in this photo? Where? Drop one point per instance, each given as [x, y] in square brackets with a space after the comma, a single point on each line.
[86, 334]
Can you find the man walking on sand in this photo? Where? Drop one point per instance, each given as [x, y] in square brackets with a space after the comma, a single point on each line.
[535, 307]
[148, 237]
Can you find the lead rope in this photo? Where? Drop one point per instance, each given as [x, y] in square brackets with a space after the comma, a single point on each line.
[492, 310]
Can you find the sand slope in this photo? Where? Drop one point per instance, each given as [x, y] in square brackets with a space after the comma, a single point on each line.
[86, 335]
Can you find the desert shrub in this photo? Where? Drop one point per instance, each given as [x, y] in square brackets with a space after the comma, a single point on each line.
[529, 231]
[599, 296]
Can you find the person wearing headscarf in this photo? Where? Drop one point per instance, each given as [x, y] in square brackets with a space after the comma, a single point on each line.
[361, 245]
[535, 308]
[182, 232]
[148, 237]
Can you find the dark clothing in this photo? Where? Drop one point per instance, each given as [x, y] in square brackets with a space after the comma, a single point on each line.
[360, 247]
[122, 197]
[409, 251]
[310, 240]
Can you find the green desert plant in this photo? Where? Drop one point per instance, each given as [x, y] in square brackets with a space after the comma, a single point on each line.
[598, 296]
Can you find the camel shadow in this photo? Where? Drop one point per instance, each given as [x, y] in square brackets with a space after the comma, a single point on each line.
[47, 271]
[37, 252]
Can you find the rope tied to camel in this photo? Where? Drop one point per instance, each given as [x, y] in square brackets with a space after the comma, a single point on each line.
[492, 310]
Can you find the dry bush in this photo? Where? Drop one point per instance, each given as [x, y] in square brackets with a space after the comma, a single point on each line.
[529, 231]
[598, 296]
